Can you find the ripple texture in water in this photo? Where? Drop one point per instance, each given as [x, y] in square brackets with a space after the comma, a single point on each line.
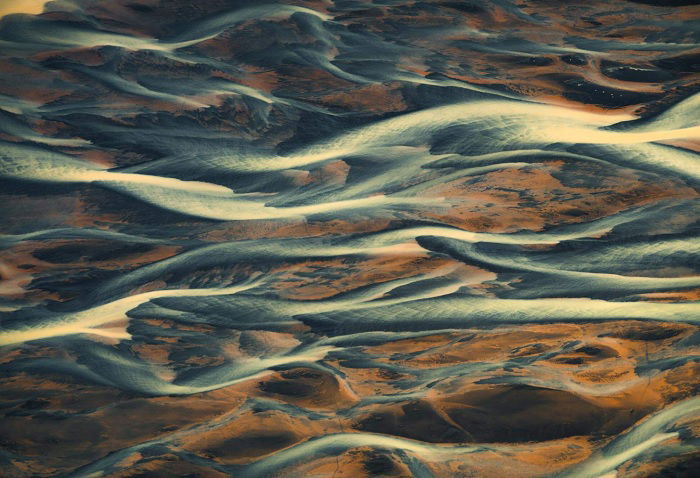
[335, 238]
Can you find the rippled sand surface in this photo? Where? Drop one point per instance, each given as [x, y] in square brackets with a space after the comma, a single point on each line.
[349, 238]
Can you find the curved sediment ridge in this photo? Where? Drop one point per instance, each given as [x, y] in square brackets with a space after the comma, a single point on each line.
[349, 239]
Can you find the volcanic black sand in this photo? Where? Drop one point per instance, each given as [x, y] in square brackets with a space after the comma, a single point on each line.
[349, 238]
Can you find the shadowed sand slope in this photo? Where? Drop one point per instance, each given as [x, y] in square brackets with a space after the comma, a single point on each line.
[349, 239]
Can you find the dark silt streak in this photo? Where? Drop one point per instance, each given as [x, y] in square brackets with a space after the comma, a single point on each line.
[349, 239]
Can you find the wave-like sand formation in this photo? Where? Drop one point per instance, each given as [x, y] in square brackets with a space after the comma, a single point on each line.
[347, 239]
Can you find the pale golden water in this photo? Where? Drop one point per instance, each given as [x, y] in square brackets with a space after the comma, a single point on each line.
[349, 239]
[33, 7]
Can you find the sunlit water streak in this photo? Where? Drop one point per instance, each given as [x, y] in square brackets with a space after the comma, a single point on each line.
[289, 244]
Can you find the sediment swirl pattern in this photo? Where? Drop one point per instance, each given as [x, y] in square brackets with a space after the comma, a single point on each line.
[349, 238]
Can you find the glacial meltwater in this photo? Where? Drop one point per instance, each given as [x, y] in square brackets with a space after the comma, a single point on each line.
[349, 238]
